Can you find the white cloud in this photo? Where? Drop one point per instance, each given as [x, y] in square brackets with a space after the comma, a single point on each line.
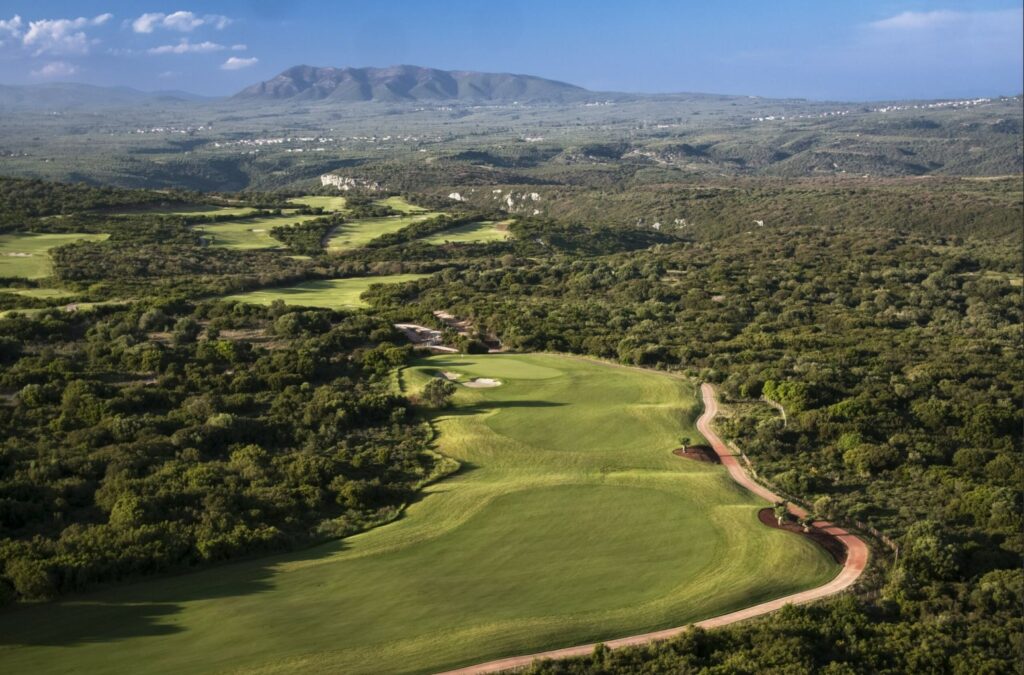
[235, 63]
[239, 48]
[945, 38]
[62, 36]
[147, 22]
[939, 25]
[218, 21]
[186, 47]
[11, 27]
[56, 69]
[920, 20]
[182, 21]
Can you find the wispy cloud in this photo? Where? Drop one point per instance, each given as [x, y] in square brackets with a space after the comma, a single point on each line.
[920, 20]
[941, 36]
[186, 47]
[949, 22]
[235, 63]
[181, 21]
[61, 36]
[56, 69]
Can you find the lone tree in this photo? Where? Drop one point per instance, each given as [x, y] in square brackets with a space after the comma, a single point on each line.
[438, 392]
[686, 441]
[781, 511]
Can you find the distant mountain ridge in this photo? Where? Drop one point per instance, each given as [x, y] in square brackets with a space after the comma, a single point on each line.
[409, 83]
[68, 95]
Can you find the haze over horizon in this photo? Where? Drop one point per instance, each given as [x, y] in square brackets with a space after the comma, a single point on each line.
[874, 50]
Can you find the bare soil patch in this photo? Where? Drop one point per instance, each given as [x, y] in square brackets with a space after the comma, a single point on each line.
[700, 453]
[827, 541]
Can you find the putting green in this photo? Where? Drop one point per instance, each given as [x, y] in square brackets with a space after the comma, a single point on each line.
[571, 521]
[360, 232]
[328, 293]
[473, 233]
[24, 254]
[248, 234]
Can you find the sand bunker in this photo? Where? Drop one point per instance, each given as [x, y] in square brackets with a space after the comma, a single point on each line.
[475, 383]
[482, 383]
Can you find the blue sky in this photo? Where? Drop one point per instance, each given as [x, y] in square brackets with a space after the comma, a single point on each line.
[873, 49]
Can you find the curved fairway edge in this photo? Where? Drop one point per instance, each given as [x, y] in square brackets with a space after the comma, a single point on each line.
[856, 562]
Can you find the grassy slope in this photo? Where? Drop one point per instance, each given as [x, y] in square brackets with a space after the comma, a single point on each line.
[360, 232]
[249, 234]
[482, 232]
[329, 293]
[189, 210]
[571, 521]
[37, 264]
[43, 293]
[400, 204]
[326, 203]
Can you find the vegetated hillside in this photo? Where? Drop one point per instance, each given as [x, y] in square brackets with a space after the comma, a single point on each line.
[712, 209]
[601, 141]
[884, 316]
[408, 83]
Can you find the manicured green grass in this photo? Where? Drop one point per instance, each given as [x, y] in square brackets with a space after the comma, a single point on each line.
[68, 307]
[24, 254]
[360, 232]
[473, 233]
[190, 210]
[326, 203]
[248, 234]
[571, 521]
[42, 293]
[329, 293]
[400, 204]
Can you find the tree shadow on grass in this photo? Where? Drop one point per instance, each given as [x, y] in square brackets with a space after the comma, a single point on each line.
[144, 608]
[488, 406]
[72, 623]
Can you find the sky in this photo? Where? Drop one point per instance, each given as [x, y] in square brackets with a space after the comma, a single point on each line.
[866, 50]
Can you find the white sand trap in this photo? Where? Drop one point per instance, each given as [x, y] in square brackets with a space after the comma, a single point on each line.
[450, 375]
[261, 230]
[18, 255]
[482, 383]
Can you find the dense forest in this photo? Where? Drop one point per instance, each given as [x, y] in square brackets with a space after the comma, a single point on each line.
[166, 436]
[173, 430]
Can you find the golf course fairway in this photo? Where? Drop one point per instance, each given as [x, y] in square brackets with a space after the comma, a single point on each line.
[570, 521]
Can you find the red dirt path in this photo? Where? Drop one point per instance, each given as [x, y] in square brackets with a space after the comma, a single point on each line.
[856, 561]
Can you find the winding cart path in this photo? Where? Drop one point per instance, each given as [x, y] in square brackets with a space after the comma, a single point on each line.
[856, 561]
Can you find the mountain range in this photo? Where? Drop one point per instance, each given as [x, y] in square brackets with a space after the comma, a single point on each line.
[409, 83]
[310, 84]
